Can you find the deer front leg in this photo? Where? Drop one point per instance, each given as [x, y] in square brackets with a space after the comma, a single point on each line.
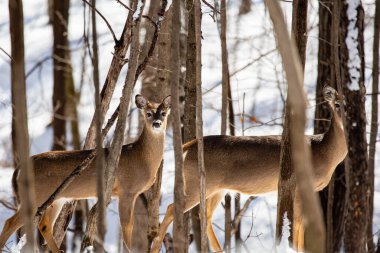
[47, 224]
[10, 226]
[298, 229]
[126, 207]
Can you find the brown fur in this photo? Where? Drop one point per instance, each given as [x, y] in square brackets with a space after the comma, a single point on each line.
[251, 165]
[137, 170]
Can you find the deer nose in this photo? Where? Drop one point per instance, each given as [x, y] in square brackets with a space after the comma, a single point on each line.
[156, 124]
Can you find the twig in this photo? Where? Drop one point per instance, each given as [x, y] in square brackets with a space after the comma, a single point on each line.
[105, 20]
[239, 215]
[210, 6]
[37, 65]
[5, 52]
[157, 26]
[8, 205]
[125, 6]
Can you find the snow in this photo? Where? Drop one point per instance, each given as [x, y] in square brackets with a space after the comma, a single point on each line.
[283, 246]
[17, 248]
[138, 10]
[352, 44]
[262, 82]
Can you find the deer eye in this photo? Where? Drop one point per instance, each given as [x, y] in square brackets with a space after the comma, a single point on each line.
[149, 114]
[163, 114]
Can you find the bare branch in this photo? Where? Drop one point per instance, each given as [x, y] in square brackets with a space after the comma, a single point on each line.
[124, 5]
[105, 20]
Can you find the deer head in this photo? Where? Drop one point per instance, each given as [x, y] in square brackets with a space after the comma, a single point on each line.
[333, 99]
[155, 114]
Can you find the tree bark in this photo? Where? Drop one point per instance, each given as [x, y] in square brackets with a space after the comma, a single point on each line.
[287, 181]
[199, 124]
[19, 111]
[225, 72]
[352, 73]
[179, 244]
[314, 229]
[157, 90]
[100, 160]
[227, 223]
[60, 22]
[374, 125]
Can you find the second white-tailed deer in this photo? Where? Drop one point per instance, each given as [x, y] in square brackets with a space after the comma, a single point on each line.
[251, 165]
[139, 162]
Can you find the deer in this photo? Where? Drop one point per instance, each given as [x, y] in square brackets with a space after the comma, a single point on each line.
[136, 173]
[251, 165]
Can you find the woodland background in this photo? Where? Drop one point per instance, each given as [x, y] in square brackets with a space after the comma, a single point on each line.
[60, 105]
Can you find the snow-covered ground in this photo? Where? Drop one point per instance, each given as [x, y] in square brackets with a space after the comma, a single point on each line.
[257, 89]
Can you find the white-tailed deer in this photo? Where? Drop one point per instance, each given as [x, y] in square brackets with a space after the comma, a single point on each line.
[251, 165]
[139, 162]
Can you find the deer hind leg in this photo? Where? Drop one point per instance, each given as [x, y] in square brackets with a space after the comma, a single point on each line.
[126, 207]
[212, 203]
[298, 229]
[47, 224]
[11, 225]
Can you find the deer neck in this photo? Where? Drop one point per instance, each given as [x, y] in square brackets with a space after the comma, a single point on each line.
[334, 141]
[152, 145]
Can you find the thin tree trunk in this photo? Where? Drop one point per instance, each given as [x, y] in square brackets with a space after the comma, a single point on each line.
[100, 161]
[117, 142]
[62, 78]
[352, 66]
[314, 229]
[287, 182]
[179, 244]
[227, 223]
[157, 91]
[199, 124]
[60, 22]
[225, 82]
[19, 111]
[322, 111]
[374, 126]
[225, 72]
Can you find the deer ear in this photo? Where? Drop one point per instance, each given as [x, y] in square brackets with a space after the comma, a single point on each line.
[167, 102]
[141, 102]
[329, 93]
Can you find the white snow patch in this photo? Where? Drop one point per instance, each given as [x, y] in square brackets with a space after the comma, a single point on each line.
[284, 244]
[352, 45]
[17, 248]
[138, 10]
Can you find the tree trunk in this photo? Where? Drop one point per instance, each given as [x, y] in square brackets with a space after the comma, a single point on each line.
[60, 23]
[155, 91]
[287, 181]
[117, 142]
[179, 237]
[352, 73]
[199, 124]
[227, 223]
[100, 159]
[189, 116]
[19, 113]
[314, 229]
[374, 126]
